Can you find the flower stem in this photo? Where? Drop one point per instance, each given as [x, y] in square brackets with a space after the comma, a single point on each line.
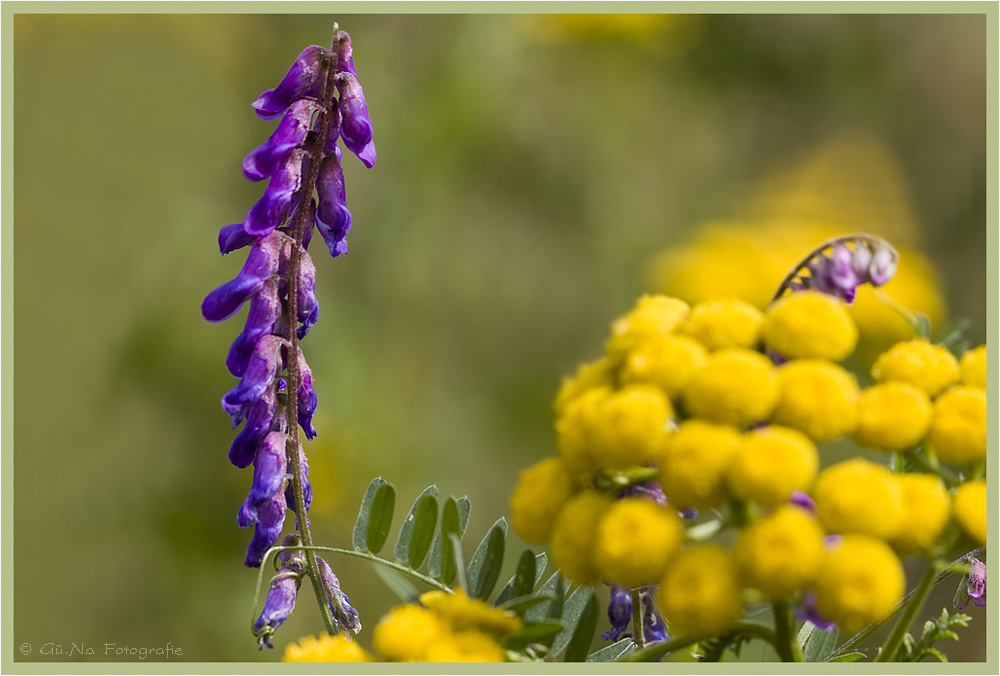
[785, 642]
[302, 216]
[637, 629]
[913, 607]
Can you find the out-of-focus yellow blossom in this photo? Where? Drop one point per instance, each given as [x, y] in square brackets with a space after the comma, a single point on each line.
[859, 582]
[809, 324]
[592, 374]
[974, 367]
[932, 368]
[575, 432]
[700, 594]
[925, 512]
[735, 387]
[969, 509]
[406, 633]
[465, 646]
[892, 416]
[668, 363]
[818, 398]
[575, 535]
[630, 424]
[666, 34]
[636, 539]
[780, 553]
[652, 316]
[720, 324]
[693, 462]
[326, 648]
[958, 426]
[771, 463]
[541, 492]
[465, 614]
[857, 496]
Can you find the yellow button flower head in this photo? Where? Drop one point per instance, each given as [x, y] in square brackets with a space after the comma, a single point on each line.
[575, 431]
[818, 398]
[780, 553]
[406, 633]
[630, 425]
[693, 462]
[720, 324]
[892, 416]
[925, 512]
[771, 463]
[700, 594]
[575, 535]
[969, 509]
[465, 646]
[857, 496]
[541, 491]
[973, 366]
[932, 368]
[636, 539]
[735, 387]
[665, 362]
[652, 316]
[592, 374]
[464, 614]
[326, 649]
[859, 582]
[809, 325]
[958, 427]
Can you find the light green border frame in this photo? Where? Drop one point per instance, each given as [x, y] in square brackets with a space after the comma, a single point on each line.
[7, 12]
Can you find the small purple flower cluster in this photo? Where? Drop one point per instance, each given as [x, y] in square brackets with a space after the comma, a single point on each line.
[843, 270]
[320, 103]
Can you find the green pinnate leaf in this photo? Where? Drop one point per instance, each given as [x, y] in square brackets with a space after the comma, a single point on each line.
[554, 589]
[817, 644]
[454, 519]
[417, 531]
[573, 610]
[484, 567]
[375, 516]
[613, 652]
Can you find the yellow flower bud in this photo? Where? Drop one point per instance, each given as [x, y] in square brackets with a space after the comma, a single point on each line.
[809, 325]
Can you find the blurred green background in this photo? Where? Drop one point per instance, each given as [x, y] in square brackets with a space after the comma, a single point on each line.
[529, 169]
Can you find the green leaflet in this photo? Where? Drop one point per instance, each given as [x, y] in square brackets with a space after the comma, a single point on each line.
[371, 529]
[454, 519]
[417, 531]
[484, 567]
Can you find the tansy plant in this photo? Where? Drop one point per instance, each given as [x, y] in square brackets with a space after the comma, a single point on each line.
[688, 478]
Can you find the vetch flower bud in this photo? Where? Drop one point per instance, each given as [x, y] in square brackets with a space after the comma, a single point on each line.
[268, 468]
[882, 267]
[272, 208]
[270, 520]
[225, 301]
[281, 597]
[308, 307]
[260, 372]
[265, 308]
[332, 217]
[264, 161]
[619, 612]
[305, 78]
[259, 423]
[233, 237]
[306, 399]
[861, 261]
[304, 478]
[345, 616]
[654, 629]
[355, 125]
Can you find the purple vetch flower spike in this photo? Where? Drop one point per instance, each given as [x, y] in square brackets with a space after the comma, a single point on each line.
[345, 616]
[226, 300]
[260, 419]
[308, 307]
[306, 399]
[305, 78]
[270, 520]
[265, 308]
[281, 597]
[619, 612]
[260, 372]
[233, 237]
[883, 266]
[355, 124]
[654, 629]
[800, 499]
[264, 161]
[273, 206]
[332, 216]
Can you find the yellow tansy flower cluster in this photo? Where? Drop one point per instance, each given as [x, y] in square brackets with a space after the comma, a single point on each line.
[326, 648]
[446, 627]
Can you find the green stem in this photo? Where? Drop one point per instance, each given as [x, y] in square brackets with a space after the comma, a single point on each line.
[913, 607]
[658, 650]
[637, 628]
[785, 642]
[384, 562]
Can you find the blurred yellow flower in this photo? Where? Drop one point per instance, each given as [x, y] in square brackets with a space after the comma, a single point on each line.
[630, 424]
[736, 386]
[724, 323]
[693, 462]
[958, 426]
[326, 648]
[406, 633]
[932, 368]
[666, 362]
[892, 416]
[818, 398]
[652, 316]
[575, 535]
[857, 496]
[780, 553]
[859, 582]
[974, 367]
[700, 594]
[925, 512]
[464, 614]
[969, 509]
[635, 541]
[541, 492]
[772, 462]
[667, 34]
[810, 325]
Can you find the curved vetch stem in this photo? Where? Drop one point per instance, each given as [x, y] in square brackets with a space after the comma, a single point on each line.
[856, 239]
